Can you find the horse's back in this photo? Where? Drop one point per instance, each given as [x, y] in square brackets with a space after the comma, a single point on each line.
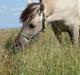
[53, 6]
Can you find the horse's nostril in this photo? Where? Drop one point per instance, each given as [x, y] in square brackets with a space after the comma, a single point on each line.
[30, 35]
[16, 44]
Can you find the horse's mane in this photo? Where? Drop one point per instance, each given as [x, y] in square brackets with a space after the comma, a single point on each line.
[28, 11]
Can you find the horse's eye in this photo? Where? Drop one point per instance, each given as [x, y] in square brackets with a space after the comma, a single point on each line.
[32, 26]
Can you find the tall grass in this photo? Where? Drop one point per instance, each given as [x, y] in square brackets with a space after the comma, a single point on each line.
[42, 57]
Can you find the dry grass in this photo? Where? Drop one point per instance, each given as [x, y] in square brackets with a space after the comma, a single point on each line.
[42, 57]
[5, 55]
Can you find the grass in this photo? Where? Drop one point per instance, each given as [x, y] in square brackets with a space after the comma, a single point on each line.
[42, 57]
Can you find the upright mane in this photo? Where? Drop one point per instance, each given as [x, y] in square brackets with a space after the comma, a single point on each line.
[28, 11]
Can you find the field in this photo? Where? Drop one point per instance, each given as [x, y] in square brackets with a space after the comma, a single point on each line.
[42, 57]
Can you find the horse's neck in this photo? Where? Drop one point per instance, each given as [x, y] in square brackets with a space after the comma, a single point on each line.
[52, 6]
[49, 4]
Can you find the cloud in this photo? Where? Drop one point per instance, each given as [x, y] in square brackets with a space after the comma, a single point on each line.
[18, 9]
[10, 10]
[3, 8]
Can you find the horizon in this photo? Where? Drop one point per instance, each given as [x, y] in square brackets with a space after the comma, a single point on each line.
[10, 11]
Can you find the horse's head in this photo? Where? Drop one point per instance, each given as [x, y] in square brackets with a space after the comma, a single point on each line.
[32, 18]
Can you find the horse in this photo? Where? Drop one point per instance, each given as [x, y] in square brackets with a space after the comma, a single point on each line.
[32, 19]
[36, 14]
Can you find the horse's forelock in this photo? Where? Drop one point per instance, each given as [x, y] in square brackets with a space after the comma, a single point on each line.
[28, 11]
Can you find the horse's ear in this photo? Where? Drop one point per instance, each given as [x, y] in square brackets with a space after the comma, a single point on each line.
[42, 7]
[40, 1]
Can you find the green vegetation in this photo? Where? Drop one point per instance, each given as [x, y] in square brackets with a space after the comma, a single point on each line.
[41, 57]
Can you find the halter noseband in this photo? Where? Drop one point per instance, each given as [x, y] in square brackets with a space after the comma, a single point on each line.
[28, 37]
[25, 35]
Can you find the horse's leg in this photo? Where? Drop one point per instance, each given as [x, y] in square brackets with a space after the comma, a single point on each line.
[58, 37]
[70, 35]
[75, 34]
[57, 31]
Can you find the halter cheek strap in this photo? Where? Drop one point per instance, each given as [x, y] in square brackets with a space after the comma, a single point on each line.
[43, 23]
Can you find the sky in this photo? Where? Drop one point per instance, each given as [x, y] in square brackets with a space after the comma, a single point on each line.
[10, 11]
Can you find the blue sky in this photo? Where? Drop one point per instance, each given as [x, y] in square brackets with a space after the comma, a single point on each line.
[10, 11]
